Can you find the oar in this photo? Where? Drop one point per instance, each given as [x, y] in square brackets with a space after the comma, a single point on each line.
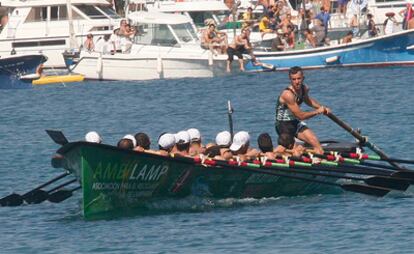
[376, 180]
[62, 195]
[376, 158]
[360, 165]
[42, 195]
[362, 139]
[230, 115]
[15, 199]
[365, 189]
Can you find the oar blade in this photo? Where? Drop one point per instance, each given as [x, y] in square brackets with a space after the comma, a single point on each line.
[404, 174]
[36, 196]
[60, 196]
[388, 182]
[364, 189]
[12, 200]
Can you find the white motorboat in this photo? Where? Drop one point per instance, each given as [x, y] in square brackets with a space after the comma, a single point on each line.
[165, 46]
[35, 26]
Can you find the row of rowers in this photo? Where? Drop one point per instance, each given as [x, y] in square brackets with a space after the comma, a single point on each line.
[189, 143]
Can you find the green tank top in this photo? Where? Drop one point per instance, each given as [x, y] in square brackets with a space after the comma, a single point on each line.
[283, 113]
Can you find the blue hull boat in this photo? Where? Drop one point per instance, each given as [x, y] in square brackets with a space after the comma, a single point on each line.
[395, 49]
[14, 67]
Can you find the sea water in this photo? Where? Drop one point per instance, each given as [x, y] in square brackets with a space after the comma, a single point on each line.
[379, 101]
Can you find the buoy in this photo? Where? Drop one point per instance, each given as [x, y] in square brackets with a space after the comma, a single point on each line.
[332, 59]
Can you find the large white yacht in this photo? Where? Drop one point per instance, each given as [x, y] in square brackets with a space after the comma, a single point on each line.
[33, 26]
[166, 46]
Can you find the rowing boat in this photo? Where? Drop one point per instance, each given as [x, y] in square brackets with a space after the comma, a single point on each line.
[114, 179]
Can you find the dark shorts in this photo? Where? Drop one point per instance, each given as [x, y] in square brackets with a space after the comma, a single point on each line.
[239, 51]
[288, 130]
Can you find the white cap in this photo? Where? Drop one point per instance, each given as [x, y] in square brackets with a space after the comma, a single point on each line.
[166, 141]
[93, 137]
[223, 138]
[132, 138]
[194, 134]
[182, 137]
[241, 138]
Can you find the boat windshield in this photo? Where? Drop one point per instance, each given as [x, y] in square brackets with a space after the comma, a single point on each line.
[155, 34]
[185, 32]
[108, 11]
[91, 11]
[200, 16]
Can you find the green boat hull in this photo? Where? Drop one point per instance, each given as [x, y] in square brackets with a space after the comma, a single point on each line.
[114, 180]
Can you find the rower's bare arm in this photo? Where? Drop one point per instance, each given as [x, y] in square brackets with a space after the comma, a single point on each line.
[289, 100]
[311, 102]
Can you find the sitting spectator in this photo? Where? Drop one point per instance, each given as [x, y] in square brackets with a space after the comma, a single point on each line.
[354, 24]
[93, 137]
[348, 37]
[214, 40]
[89, 45]
[319, 32]
[248, 17]
[310, 41]
[103, 45]
[264, 25]
[290, 37]
[278, 43]
[126, 38]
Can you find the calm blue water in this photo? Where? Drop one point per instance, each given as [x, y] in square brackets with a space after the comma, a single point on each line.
[380, 101]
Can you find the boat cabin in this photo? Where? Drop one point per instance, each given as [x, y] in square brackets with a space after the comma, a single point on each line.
[162, 29]
[41, 18]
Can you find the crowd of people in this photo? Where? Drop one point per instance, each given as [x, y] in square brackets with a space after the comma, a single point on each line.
[289, 125]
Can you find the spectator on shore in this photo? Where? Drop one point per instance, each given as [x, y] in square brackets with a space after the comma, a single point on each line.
[89, 44]
[319, 32]
[324, 17]
[372, 29]
[389, 23]
[348, 37]
[278, 43]
[310, 41]
[248, 17]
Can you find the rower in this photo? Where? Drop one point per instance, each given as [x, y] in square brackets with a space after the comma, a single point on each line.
[240, 147]
[266, 146]
[289, 117]
[223, 141]
[195, 142]
[182, 144]
[127, 142]
[143, 142]
[166, 143]
[93, 137]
